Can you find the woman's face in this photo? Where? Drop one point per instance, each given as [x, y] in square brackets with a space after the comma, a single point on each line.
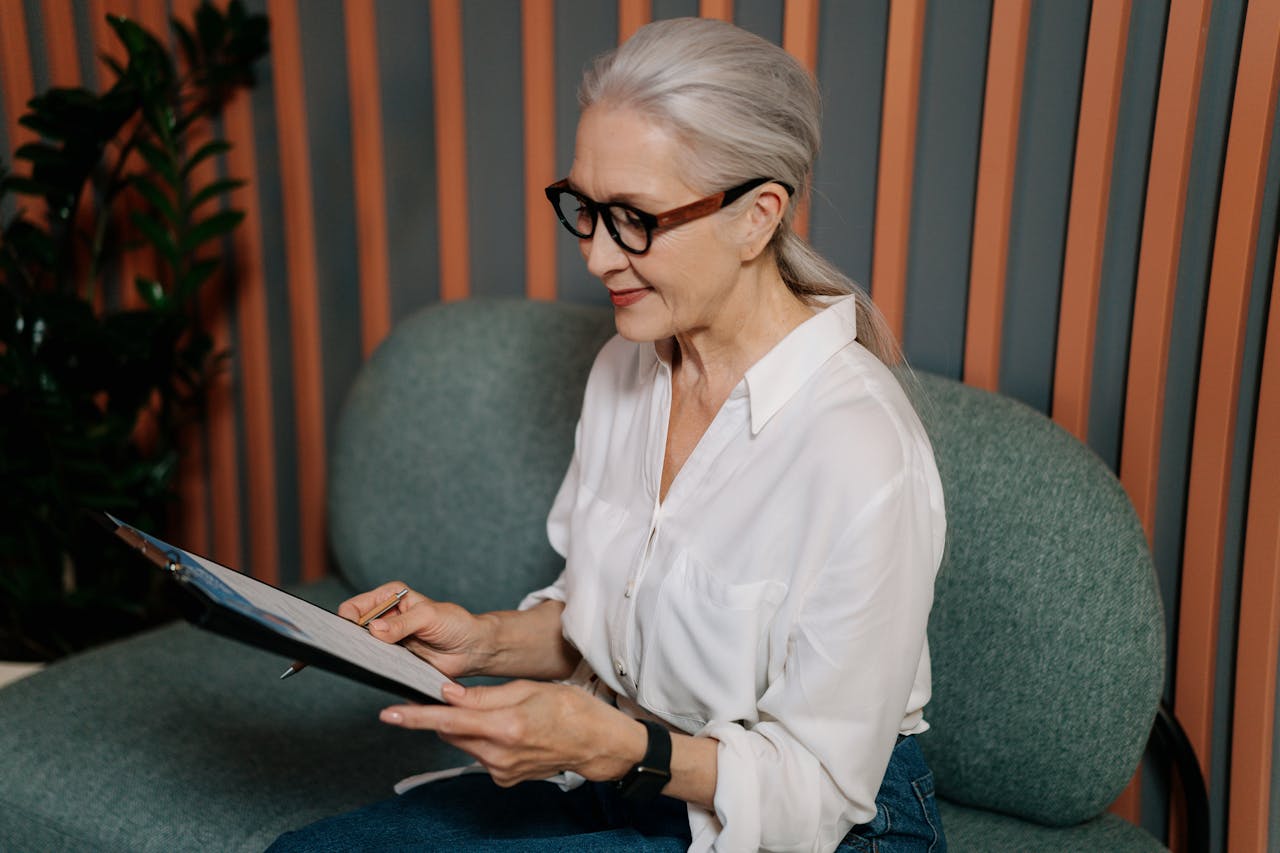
[685, 280]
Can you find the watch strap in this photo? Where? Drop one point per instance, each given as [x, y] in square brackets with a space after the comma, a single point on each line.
[646, 779]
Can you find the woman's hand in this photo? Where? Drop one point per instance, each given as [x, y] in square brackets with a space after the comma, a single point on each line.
[448, 637]
[526, 730]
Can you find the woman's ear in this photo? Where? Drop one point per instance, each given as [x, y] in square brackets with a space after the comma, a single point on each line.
[761, 220]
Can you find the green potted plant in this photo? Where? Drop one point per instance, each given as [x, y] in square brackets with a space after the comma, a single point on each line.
[93, 396]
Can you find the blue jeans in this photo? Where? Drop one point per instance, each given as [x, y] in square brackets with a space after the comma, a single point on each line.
[472, 813]
[906, 818]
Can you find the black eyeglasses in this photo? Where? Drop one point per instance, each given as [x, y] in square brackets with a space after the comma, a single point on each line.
[633, 229]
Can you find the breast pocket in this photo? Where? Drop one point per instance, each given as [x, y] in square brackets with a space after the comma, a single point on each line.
[705, 656]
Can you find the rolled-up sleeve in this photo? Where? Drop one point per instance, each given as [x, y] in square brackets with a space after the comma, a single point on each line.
[811, 767]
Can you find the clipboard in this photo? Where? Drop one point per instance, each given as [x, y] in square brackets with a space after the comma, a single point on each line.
[224, 601]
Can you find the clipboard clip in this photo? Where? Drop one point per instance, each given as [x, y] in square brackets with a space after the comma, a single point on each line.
[170, 561]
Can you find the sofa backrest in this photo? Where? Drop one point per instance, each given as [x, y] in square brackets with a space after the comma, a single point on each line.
[452, 443]
[1046, 632]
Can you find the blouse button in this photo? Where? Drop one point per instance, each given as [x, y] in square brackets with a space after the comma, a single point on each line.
[622, 670]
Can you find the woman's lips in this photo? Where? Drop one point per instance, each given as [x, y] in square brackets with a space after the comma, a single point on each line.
[623, 298]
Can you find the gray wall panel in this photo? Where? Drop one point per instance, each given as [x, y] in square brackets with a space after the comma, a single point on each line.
[1135, 122]
[1042, 189]
[851, 51]
[952, 81]
[584, 29]
[495, 146]
[333, 199]
[37, 41]
[674, 9]
[762, 17]
[409, 153]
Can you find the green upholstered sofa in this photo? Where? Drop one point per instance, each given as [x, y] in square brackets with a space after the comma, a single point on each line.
[1046, 634]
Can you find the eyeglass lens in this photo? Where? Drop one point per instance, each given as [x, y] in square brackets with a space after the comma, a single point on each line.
[580, 214]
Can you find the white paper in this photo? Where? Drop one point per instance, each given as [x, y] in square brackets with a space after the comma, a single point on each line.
[297, 619]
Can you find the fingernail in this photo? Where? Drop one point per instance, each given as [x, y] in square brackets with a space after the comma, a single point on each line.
[377, 625]
[453, 689]
[391, 716]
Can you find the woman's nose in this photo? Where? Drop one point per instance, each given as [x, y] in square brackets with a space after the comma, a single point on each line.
[602, 254]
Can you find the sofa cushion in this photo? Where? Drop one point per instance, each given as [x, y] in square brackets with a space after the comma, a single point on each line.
[977, 831]
[179, 739]
[1046, 634]
[452, 444]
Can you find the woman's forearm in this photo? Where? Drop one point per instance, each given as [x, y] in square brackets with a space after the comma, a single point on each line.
[527, 644]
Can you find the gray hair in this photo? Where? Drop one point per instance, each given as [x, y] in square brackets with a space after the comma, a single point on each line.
[745, 108]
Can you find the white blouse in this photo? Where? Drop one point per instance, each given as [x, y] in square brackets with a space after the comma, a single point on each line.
[777, 599]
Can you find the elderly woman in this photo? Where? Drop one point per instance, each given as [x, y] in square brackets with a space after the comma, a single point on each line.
[734, 657]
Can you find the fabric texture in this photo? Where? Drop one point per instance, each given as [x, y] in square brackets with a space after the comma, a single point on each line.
[979, 831]
[451, 444]
[792, 558]
[1047, 634]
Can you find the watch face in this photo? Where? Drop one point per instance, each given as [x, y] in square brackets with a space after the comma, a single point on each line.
[643, 783]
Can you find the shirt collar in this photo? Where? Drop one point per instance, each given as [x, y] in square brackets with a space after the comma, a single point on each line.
[776, 377]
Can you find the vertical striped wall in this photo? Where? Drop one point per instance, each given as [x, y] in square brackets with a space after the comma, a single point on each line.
[1073, 203]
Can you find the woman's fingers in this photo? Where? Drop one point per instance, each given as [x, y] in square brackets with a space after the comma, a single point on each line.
[358, 606]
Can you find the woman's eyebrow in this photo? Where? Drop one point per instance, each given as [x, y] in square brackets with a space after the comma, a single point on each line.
[639, 201]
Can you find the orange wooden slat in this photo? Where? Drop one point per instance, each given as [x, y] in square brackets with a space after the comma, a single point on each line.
[223, 470]
[451, 148]
[632, 15]
[897, 159]
[60, 38]
[1161, 244]
[15, 65]
[720, 9]
[537, 34]
[1258, 648]
[254, 356]
[300, 254]
[993, 202]
[1087, 218]
[800, 39]
[368, 173]
[1235, 242]
[220, 408]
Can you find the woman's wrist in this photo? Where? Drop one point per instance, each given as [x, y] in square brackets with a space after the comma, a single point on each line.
[523, 644]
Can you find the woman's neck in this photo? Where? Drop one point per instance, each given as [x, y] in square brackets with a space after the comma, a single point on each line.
[760, 311]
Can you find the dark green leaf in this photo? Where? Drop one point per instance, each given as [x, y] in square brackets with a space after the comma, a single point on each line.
[39, 152]
[152, 292]
[156, 235]
[191, 280]
[25, 186]
[212, 190]
[215, 226]
[204, 152]
[162, 161]
[157, 197]
[187, 43]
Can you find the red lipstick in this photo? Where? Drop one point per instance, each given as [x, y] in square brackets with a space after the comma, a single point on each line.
[623, 298]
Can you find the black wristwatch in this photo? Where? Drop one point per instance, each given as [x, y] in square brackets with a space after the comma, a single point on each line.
[646, 780]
